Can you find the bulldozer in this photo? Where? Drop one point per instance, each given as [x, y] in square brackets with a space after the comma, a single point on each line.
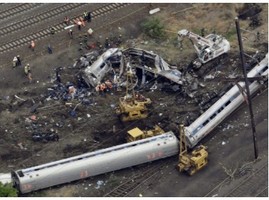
[190, 162]
[137, 134]
[132, 106]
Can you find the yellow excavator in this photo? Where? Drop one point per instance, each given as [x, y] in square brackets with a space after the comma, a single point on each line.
[190, 162]
[132, 106]
[137, 134]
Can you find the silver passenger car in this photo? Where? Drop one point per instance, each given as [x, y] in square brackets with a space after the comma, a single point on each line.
[97, 162]
[94, 73]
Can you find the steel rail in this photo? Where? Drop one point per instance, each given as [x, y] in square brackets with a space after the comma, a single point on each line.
[250, 182]
[59, 27]
[139, 178]
[18, 9]
[32, 20]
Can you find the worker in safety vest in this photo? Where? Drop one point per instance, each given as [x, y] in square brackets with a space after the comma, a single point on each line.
[85, 16]
[27, 72]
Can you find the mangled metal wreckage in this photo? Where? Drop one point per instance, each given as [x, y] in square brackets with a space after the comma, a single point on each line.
[117, 62]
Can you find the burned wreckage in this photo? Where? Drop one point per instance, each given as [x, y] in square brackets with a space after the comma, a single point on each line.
[148, 66]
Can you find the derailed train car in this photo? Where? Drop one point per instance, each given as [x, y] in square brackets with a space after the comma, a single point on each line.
[231, 100]
[94, 163]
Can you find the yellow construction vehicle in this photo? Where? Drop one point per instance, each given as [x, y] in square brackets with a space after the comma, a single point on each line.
[193, 162]
[137, 134]
[132, 106]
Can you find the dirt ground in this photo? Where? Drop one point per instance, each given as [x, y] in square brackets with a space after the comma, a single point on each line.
[230, 144]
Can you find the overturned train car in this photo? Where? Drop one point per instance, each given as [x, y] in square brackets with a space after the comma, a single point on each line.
[230, 101]
[94, 163]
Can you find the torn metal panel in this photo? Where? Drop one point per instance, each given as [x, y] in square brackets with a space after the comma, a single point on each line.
[162, 68]
[173, 75]
[86, 60]
[160, 64]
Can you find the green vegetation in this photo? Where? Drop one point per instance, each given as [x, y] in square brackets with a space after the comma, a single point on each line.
[7, 190]
[153, 28]
[231, 35]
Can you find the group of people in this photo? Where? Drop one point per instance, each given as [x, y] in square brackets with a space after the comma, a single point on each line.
[27, 70]
[104, 87]
[80, 21]
[87, 16]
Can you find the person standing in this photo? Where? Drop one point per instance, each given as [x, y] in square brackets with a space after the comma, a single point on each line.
[18, 60]
[32, 45]
[58, 75]
[79, 25]
[85, 16]
[258, 36]
[15, 62]
[49, 49]
[52, 30]
[66, 20]
[70, 33]
[89, 17]
[203, 32]
[27, 72]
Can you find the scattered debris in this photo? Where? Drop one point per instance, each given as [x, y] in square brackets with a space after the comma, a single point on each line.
[19, 98]
[99, 184]
[153, 11]
[45, 137]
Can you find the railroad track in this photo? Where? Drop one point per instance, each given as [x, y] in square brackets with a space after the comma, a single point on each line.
[44, 16]
[18, 9]
[251, 185]
[142, 175]
[263, 193]
[59, 27]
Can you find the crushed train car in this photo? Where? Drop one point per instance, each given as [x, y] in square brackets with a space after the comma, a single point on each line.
[145, 62]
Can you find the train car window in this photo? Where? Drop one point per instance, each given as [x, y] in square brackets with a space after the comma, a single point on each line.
[227, 103]
[20, 174]
[205, 122]
[213, 116]
[263, 70]
[221, 108]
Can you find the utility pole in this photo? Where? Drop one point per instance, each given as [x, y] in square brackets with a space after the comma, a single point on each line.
[247, 87]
